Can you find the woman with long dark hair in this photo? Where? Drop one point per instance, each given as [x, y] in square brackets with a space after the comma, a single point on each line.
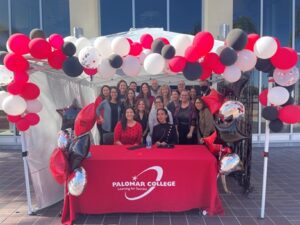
[129, 100]
[206, 124]
[174, 103]
[141, 116]
[104, 94]
[122, 89]
[164, 133]
[128, 131]
[145, 94]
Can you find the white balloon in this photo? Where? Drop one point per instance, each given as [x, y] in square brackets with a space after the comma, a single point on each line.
[34, 106]
[246, 60]
[105, 70]
[278, 95]
[70, 39]
[120, 46]
[180, 43]
[131, 66]
[286, 77]
[265, 47]
[154, 64]
[6, 76]
[14, 105]
[3, 95]
[232, 73]
[103, 46]
[81, 43]
[89, 57]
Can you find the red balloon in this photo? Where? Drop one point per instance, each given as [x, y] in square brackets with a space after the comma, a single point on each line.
[30, 91]
[32, 118]
[218, 68]
[15, 62]
[263, 97]
[192, 54]
[15, 88]
[56, 59]
[206, 71]
[85, 119]
[13, 119]
[252, 38]
[290, 114]
[58, 166]
[211, 59]
[177, 64]
[135, 49]
[39, 48]
[285, 58]
[21, 77]
[146, 41]
[18, 43]
[165, 40]
[22, 125]
[56, 41]
[214, 101]
[90, 72]
[129, 40]
[204, 42]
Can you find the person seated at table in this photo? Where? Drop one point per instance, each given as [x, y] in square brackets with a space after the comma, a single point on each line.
[128, 131]
[164, 133]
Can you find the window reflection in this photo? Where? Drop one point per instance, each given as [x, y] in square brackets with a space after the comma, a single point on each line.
[4, 31]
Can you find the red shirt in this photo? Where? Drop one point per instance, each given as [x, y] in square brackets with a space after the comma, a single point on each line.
[129, 136]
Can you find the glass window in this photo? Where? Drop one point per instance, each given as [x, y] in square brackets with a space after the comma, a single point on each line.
[58, 22]
[296, 127]
[4, 31]
[24, 16]
[278, 20]
[186, 18]
[297, 24]
[151, 13]
[246, 15]
[254, 88]
[116, 16]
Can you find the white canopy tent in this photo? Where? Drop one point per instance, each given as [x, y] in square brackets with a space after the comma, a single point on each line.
[58, 91]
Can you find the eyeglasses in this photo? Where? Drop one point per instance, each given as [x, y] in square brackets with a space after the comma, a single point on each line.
[158, 102]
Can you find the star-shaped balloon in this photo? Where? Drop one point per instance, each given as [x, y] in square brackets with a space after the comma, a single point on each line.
[69, 115]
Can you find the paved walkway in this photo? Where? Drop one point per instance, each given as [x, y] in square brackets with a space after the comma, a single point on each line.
[283, 197]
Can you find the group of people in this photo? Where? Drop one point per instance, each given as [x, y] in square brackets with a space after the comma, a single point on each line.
[179, 116]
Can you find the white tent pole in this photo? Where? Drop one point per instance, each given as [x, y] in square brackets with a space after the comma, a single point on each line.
[266, 157]
[26, 169]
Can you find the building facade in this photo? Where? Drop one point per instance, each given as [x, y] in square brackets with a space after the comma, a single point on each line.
[278, 18]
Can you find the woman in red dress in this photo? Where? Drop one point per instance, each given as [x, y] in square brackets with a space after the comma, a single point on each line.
[128, 131]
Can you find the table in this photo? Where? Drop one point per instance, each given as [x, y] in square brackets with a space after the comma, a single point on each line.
[156, 180]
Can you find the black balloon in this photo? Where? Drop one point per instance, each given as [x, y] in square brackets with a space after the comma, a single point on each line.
[78, 151]
[192, 71]
[115, 61]
[168, 51]
[275, 125]
[37, 33]
[228, 56]
[72, 67]
[237, 39]
[69, 49]
[264, 65]
[229, 132]
[270, 113]
[2, 55]
[157, 46]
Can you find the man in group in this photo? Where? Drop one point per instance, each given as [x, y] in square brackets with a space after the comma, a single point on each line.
[181, 86]
[204, 88]
[133, 86]
[154, 87]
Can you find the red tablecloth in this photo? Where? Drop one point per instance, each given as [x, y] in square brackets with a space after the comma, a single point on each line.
[156, 180]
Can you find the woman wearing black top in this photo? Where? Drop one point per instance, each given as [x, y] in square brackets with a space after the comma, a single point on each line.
[164, 133]
[141, 116]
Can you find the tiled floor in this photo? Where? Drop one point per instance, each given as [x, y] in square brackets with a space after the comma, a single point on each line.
[282, 207]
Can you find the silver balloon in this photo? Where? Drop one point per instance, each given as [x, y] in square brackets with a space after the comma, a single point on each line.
[229, 163]
[286, 77]
[233, 109]
[63, 140]
[77, 183]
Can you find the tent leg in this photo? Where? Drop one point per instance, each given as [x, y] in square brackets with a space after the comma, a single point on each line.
[26, 169]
